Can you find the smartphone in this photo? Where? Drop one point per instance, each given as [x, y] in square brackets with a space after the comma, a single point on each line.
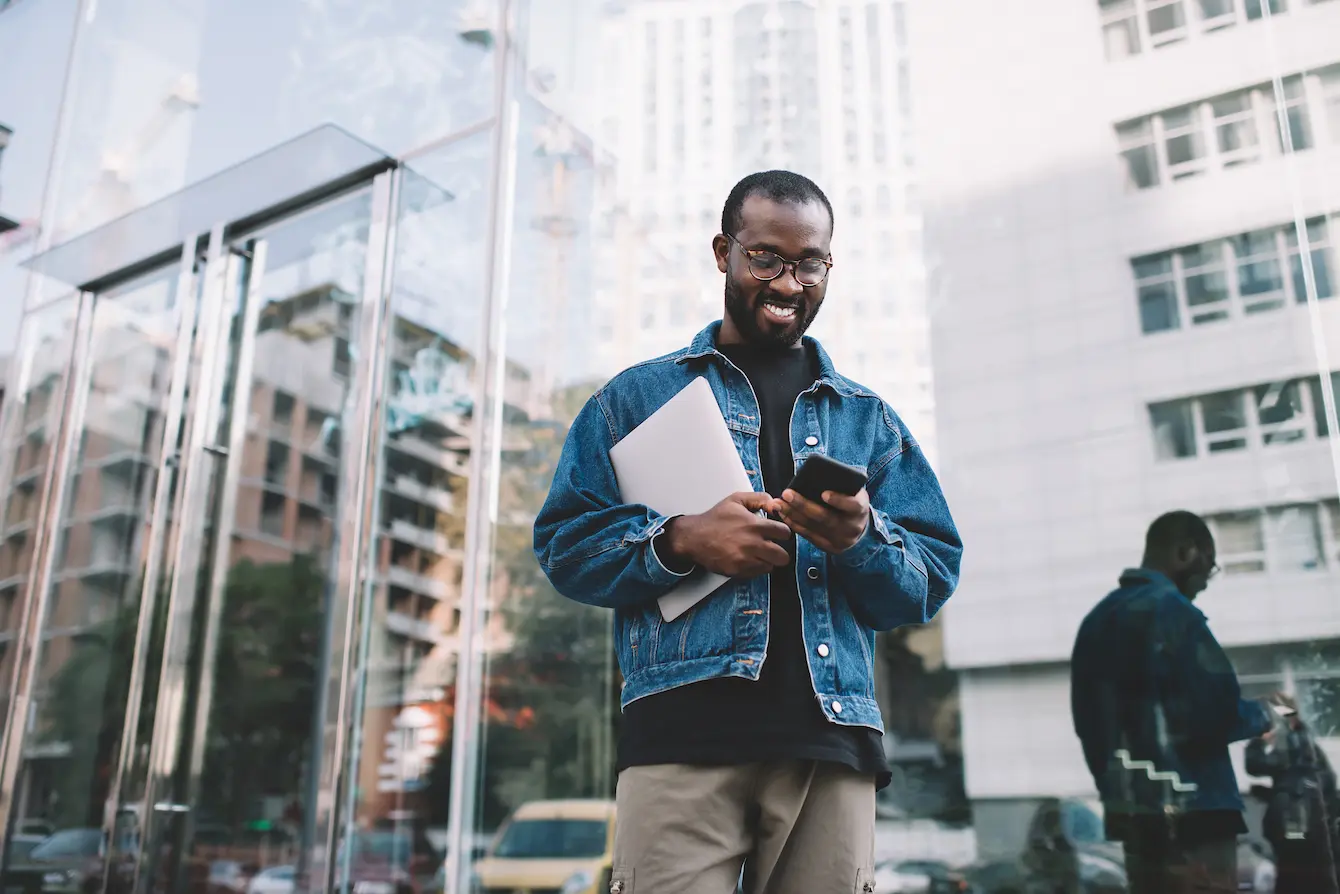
[1284, 710]
[819, 473]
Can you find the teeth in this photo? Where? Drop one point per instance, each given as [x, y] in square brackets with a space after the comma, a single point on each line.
[778, 310]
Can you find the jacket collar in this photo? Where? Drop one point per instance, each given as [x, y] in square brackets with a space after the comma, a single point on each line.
[1148, 577]
[704, 345]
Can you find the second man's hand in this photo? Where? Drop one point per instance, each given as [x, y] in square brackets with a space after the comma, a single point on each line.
[731, 538]
[835, 525]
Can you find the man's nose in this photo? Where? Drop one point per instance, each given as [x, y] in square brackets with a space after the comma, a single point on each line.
[787, 284]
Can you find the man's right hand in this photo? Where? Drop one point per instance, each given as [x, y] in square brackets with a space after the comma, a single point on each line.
[730, 539]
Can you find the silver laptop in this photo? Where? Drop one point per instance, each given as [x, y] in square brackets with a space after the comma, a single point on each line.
[681, 461]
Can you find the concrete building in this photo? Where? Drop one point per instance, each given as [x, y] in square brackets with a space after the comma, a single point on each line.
[717, 90]
[1115, 225]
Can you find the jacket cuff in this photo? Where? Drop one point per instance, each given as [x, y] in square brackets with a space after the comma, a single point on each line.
[657, 571]
[877, 537]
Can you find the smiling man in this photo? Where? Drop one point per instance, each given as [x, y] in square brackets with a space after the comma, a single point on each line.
[751, 735]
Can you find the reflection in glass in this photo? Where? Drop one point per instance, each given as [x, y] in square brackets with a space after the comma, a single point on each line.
[29, 426]
[89, 635]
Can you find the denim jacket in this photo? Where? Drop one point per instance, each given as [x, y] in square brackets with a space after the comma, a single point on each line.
[1146, 646]
[598, 550]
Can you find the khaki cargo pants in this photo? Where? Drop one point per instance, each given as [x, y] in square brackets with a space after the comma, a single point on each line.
[796, 827]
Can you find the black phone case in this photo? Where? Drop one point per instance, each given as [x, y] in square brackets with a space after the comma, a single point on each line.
[819, 473]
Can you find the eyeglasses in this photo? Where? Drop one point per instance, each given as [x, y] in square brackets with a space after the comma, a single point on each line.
[767, 266]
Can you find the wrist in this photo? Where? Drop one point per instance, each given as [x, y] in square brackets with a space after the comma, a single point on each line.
[676, 540]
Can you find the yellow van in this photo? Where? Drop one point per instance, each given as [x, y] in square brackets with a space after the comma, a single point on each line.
[551, 847]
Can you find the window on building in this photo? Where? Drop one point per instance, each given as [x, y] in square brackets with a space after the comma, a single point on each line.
[1174, 429]
[1256, 9]
[1240, 541]
[1319, 413]
[1121, 29]
[1183, 142]
[1217, 13]
[1167, 21]
[1235, 128]
[1330, 98]
[1156, 287]
[1260, 275]
[1224, 421]
[1330, 512]
[1280, 413]
[1322, 252]
[1293, 538]
[1205, 281]
[1139, 152]
[1294, 128]
[284, 404]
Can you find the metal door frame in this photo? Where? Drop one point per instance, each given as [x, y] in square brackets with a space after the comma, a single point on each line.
[202, 352]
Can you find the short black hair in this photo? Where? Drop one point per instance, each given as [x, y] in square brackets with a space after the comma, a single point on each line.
[1173, 529]
[779, 186]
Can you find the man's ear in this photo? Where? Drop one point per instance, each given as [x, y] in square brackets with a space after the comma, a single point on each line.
[721, 248]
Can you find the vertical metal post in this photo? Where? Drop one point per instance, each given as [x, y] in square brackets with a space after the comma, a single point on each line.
[192, 501]
[159, 519]
[28, 648]
[219, 565]
[358, 488]
[485, 458]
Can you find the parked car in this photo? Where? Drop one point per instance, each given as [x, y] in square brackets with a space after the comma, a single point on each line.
[913, 877]
[275, 880]
[562, 846]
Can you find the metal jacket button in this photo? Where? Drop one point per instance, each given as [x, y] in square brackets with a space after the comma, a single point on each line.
[837, 707]
[811, 441]
[822, 650]
[812, 573]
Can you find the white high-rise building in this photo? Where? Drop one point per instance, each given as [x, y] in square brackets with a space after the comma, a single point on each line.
[1123, 327]
[700, 93]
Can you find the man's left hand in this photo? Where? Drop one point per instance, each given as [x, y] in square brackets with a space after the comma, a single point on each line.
[834, 525]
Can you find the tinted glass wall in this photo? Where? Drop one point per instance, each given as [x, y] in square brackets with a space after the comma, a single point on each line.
[1088, 254]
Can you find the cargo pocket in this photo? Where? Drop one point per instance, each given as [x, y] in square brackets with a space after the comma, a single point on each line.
[865, 882]
[621, 881]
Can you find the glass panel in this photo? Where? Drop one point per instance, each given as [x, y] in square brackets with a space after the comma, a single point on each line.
[1205, 282]
[1293, 537]
[416, 583]
[1260, 275]
[1235, 127]
[1225, 421]
[1241, 542]
[89, 638]
[281, 174]
[32, 408]
[1167, 22]
[1137, 141]
[1174, 430]
[1183, 140]
[1217, 13]
[1279, 409]
[256, 800]
[1157, 292]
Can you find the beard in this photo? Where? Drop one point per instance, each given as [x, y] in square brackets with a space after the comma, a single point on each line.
[745, 315]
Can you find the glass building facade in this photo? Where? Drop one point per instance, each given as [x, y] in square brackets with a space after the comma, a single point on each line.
[300, 298]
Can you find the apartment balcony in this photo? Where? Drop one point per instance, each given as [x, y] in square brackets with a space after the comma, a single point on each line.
[413, 628]
[437, 497]
[423, 538]
[416, 583]
[440, 457]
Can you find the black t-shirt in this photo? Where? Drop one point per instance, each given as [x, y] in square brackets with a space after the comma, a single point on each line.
[731, 720]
